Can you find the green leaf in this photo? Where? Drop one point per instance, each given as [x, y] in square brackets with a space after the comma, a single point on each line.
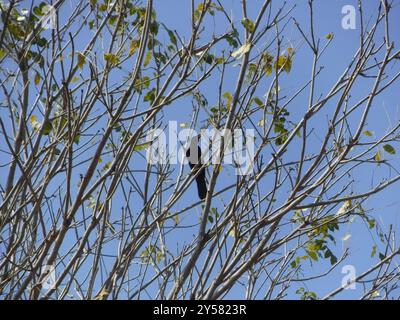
[47, 127]
[147, 58]
[373, 252]
[153, 27]
[117, 128]
[143, 83]
[259, 102]
[16, 31]
[39, 9]
[111, 58]
[313, 255]
[143, 146]
[329, 36]
[171, 35]
[214, 110]
[208, 58]
[41, 42]
[389, 149]
[216, 7]
[327, 254]
[228, 98]
[368, 133]
[232, 42]
[371, 223]
[220, 60]
[77, 138]
[160, 57]
[103, 7]
[150, 96]
[248, 25]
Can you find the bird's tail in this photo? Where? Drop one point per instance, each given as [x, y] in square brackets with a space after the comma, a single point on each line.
[201, 187]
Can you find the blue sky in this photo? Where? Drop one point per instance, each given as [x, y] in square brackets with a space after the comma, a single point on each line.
[328, 18]
[385, 112]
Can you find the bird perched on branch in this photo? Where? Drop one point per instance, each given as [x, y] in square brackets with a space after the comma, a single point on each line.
[193, 153]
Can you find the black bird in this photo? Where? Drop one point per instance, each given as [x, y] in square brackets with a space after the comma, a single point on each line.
[196, 163]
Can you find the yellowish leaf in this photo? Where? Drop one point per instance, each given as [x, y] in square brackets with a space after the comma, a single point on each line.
[228, 98]
[81, 60]
[111, 58]
[134, 46]
[147, 58]
[378, 156]
[37, 78]
[33, 120]
[329, 36]
[2, 53]
[268, 59]
[284, 62]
